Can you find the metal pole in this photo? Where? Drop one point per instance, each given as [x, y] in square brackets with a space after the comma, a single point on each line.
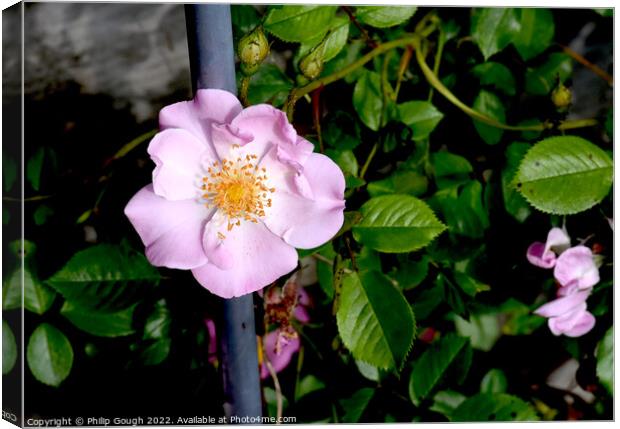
[212, 62]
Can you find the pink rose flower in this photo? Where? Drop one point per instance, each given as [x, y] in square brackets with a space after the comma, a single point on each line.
[568, 315]
[234, 192]
[544, 254]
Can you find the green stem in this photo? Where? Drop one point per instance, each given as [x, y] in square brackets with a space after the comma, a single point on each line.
[440, 44]
[434, 81]
[133, 144]
[243, 91]
[297, 93]
[371, 155]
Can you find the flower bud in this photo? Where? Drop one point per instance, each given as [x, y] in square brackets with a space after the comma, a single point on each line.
[253, 48]
[561, 97]
[311, 65]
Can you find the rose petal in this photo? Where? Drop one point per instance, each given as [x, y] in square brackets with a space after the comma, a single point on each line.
[563, 305]
[537, 255]
[301, 314]
[577, 264]
[270, 127]
[170, 230]
[197, 115]
[178, 156]
[258, 256]
[214, 244]
[278, 361]
[225, 136]
[306, 223]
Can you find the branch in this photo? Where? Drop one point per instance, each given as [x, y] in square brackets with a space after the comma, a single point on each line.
[593, 67]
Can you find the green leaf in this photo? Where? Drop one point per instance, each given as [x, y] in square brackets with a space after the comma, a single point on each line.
[308, 385]
[351, 52]
[367, 99]
[9, 348]
[411, 273]
[299, 23]
[432, 365]
[446, 401]
[399, 182]
[34, 168]
[542, 80]
[464, 212]
[38, 298]
[536, 33]
[42, 214]
[244, 18]
[104, 277]
[490, 105]
[564, 175]
[157, 335]
[9, 171]
[469, 285]
[271, 399]
[494, 407]
[374, 320]
[421, 116]
[605, 361]
[342, 131]
[494, 381]
[384, 16]
[372, 373]
[49, 355]
[98, 323]
[493, 29]
[269, 85]
[428, 300]
[483, 330]
[397, 224]
[355, 406]
[514, 203]
[450, 169]
[345, 159]
[336, 40]
[496, 75]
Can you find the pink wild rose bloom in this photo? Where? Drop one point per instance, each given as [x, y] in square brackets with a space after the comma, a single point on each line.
[234, 192]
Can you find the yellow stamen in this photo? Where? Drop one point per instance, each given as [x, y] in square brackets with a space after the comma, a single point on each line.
[237, 189]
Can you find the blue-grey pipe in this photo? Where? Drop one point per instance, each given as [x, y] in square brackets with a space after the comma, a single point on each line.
[212, 62]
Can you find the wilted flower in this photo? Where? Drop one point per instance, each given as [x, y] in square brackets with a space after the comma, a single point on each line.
[282, 305]
[234, 192]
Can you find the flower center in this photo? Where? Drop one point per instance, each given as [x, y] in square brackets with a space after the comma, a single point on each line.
[238, 189]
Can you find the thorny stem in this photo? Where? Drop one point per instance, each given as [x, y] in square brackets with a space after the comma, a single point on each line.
[593, 67]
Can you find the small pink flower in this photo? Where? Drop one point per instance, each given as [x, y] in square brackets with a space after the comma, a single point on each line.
[568, 315]
[234, 192]
[544, 254]
[576, 267]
